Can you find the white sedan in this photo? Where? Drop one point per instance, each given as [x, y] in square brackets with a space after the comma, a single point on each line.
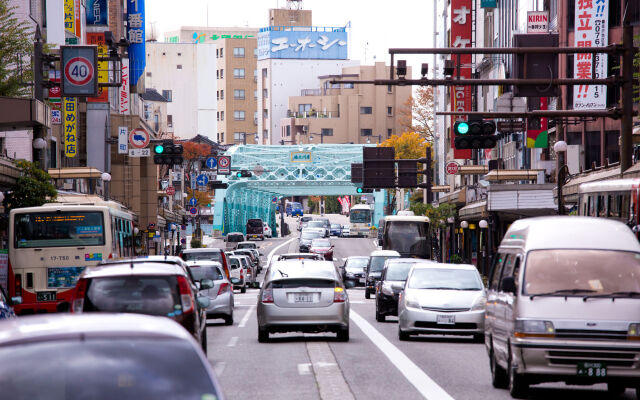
[267, 231]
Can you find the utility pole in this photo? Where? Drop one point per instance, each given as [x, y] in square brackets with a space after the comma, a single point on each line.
[626, 145]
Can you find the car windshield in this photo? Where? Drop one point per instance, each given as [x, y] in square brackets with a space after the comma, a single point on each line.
[247, 246]
[320, 243]
[377, 263]
[104, 368]
[398, 271]
[153, 295]
[587, 271]
[205, 272]
[360, 216]
[359, 263]
[203, 256]
[407, 237]
[315, 224]
[335, 226]
[309, 235]
[445, 278]
[59, 229]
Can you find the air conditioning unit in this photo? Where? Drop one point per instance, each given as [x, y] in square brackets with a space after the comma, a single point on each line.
[575, 158]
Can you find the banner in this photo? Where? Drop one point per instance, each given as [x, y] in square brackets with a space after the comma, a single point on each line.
[123, 90]
[539, 137]
[69, 105]
[461, 35]
[123, 140]
[69, 16]
[97, 12]
[591, 30]
[103, 67]
[136, 36]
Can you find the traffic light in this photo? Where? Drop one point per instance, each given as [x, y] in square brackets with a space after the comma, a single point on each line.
[244, 174]
[407, 173]
[360, 190]
[168, 153]
[476, 133]
[378, 167]
[356, 172]
[217, 185]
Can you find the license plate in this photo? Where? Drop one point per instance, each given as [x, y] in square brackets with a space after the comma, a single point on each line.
[303, 298]
[446, 319]
[595, 369]
[361, 280]
[45, 296]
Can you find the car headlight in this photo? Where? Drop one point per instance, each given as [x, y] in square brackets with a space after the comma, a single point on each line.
[527, 328]
[634, 332]
[350, 274]
[411, 301]
[479, 304]
[387, 289]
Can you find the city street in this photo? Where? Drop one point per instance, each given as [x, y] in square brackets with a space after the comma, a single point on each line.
[374, 364]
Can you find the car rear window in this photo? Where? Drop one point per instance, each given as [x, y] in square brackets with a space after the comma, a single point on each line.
[203, 256]
[152, 295]
[235, 238]
[255, 223]
[91, 368]
[296, 283]
[246, 246]
[205, 272]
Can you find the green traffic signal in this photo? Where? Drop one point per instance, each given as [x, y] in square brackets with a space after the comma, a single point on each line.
[462, 128]
[359, 190]
[159, 149]
[239, 174]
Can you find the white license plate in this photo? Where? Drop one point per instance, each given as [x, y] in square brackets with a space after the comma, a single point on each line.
[361, 280]
[303, 297]
[446, 319]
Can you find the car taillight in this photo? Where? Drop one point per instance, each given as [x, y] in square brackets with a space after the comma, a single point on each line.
[267, 294]
[18, 284]
[224, 287]
[186, 295]
[241, 273]
[225, 264]
[339, 295]
[78, 297]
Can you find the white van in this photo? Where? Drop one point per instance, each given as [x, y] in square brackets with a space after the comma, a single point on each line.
[563, 304]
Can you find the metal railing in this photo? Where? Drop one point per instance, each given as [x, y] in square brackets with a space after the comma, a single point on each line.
[313, 114]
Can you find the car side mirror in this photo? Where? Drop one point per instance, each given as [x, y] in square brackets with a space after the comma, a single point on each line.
[203, 301]
[16, 300]
[509, 285]
[235, 281]
[206, 284]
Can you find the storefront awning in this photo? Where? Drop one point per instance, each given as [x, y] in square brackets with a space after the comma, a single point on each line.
[441, 188]
[498, 175]
[473, 169]
[474, 211]
[74, 173]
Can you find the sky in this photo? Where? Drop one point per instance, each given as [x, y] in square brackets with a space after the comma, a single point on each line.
[375, 25]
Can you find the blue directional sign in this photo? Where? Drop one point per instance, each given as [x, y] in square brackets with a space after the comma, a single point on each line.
[193, 201]
[212, 162]
[202, 180]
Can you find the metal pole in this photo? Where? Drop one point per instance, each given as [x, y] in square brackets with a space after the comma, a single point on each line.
[626, 146]
[429, 178]
[561, 172]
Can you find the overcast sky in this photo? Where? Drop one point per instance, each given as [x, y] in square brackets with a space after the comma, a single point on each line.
[376, 25]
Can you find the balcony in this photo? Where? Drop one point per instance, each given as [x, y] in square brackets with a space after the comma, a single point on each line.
[313, 114]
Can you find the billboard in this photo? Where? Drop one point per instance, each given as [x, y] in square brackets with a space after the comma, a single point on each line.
[103, 66]
[461, 35]
[136, 35]
[316, 43]
[97, 12]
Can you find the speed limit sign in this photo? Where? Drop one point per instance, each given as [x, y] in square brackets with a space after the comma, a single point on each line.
[79, 76]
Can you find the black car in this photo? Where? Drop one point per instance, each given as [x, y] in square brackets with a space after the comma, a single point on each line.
[391, 283]
[353, 270]
[374, 269]
[255, 229]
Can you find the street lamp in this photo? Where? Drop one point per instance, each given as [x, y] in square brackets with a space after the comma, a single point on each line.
[106, 177]
[378, 136]
[464, 225]
[321, 134]
[560, 147]
[39, 143]
[452, 250]
[483, 224]
[173, 229]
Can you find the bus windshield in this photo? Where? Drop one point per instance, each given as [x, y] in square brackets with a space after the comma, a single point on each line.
[360, 216]
[58, 229]
[409, 238]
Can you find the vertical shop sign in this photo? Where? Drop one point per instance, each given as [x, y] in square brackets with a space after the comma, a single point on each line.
[123, 90]
[461, 35]
[69, 105]
[136, 36]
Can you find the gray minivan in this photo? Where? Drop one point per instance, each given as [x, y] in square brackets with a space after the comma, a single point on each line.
[563, 304]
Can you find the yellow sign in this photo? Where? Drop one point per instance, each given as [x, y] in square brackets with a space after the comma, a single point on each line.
[300, 157]
[69, 16]
[69, 106]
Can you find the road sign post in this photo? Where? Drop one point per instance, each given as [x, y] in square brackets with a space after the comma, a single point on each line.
[79, 77]
[212, 162]
[452, 168]
[224, 165]
[170, 190]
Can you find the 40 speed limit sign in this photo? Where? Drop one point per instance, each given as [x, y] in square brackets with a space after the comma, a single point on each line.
[79, 75]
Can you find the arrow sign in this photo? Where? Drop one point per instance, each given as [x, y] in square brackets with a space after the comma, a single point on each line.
[212, 162]
[193, 201]
[202, 180]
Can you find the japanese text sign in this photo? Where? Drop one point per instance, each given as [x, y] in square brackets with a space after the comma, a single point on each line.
[123, 90]
[97, 12]
[461, 35]
[313, 43]
[69, 106]
[103, 66]
[136, 36]
[69, 16]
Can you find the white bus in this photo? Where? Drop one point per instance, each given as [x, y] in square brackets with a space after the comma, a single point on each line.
[617, 199]
[408, 235]
[50, 245]
[360, 219]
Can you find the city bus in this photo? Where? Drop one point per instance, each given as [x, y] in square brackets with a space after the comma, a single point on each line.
[360, 219]
[408, 235]
[618, 199]
[50, 245]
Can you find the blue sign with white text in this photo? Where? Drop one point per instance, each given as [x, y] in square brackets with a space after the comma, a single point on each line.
[312, 42]
[97, 12]
[136, 36]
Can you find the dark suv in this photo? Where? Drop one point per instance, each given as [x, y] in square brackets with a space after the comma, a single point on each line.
[255, 229]
[391, 283]
[150, 288]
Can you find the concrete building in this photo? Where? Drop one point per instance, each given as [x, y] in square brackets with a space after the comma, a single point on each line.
[346, 113]
[291, 57]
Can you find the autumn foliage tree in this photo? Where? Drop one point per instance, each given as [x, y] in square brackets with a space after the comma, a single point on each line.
[193, 152]
[417, 113]
[408, 145]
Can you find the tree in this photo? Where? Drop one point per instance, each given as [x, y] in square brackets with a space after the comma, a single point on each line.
[408, 145]
[417, 113]
[203, 198]
[193, 152]
[33, 187]
[16, 47]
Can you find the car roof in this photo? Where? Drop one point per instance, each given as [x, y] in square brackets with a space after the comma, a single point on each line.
[174, 259]
[297, 255]
[247, 242]
[407, 260]
[365, 257]
[384, 253]
[291, 269]
[431, 265]
[235, 233]
[203, 250]
[45, 327]
[204, 263]
[132, 269]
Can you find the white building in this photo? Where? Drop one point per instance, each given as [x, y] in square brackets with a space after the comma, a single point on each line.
[184, 74]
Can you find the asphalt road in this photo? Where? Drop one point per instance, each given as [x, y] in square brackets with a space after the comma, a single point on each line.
[374, 364]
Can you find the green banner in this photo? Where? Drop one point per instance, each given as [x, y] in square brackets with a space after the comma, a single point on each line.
[489, 3]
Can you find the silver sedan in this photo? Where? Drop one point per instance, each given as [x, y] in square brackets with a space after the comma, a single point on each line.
[221, 292]
[445, 299]
[303, 296]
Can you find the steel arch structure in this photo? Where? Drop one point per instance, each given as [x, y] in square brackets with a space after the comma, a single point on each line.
[298, 170]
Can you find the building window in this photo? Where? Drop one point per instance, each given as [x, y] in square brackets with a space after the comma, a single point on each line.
[217, 95]
[167, 94]
[238, 115]
[222, 95]
[217, 74]
[366, 110]
[303, 108]
[239, 136]
[222, 74]
[217, 53]
[389, 111]
[170, 121]
[179, 66]
[156, 122]
[255, 52]
[221, 115]
[265, 113]
[179, 54]
[218, 116]
[265, 93]
[238, 52]
[366, 132]
[264, 72]
[148, 74]
[222, 137]
[255, 94]
[222, 52]
[389, 132]
[238, 73]
[326, 132]
[389, 88]
[265, 133]
[348, 85]
[238, 94]
[255, 118]
[287, 130]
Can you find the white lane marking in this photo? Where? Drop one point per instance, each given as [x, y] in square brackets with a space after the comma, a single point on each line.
[375, 243]
[416, 376]
[244, 320]
[278, 247]
[331, 382]
[233, 341]
[218, 369]
[304, 369]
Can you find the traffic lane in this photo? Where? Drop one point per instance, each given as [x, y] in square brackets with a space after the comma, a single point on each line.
[461, 366]
[348, 247]
[248, 369]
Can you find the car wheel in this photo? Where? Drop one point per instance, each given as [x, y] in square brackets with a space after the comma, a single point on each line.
[228, 320]
[498, 374]
[615, 389]
[367, 295]
[203, 340]
[404, 336]
[243, 289]
[263, 335]
[380, 317]
[343, 334]
[518, 384]
[478, 337]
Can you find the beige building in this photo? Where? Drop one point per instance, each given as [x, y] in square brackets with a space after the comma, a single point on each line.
[346, 113]
[236, 92]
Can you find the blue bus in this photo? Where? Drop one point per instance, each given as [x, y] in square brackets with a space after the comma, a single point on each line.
[293, 208]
